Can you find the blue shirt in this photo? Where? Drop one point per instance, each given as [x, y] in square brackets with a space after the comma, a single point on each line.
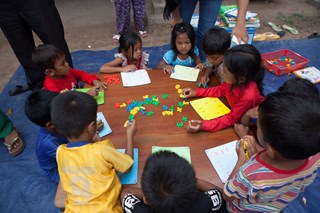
[46, 148]
[189, 62]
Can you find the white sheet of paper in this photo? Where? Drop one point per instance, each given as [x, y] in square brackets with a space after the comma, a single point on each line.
[135, 78]
[223, 158]
[185, 73]
[106, 130]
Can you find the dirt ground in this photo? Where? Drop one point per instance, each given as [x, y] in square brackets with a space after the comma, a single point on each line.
[89, 25]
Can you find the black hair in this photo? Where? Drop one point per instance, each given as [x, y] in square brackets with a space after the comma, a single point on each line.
[181, 28]
[45, 55]
[170, 6]
[127, 40]
[216, 41]
[168, 182]
[301, 87]
[245, 61]
[72, 112]
[290, 124]
[37, 107]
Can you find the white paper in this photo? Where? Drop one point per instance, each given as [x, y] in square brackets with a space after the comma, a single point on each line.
[135, 78]
[185, 73]
[223, 158]
[106, 130]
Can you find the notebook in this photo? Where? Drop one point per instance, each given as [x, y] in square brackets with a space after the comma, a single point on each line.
[310, 73]
[99, 98]
[132, 176]
[223, 158]
[135, 78]
[209, 108]
[185, 73]
[183, 151]
[106, 130]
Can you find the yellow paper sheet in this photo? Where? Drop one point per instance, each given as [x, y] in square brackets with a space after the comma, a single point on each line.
[209, 108]
[185, 73]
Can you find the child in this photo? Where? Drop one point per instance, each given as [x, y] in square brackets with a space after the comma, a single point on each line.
[169, 184]
[242, 87]
[214, 44]
[184, 51]
[130, 56]
[297, 86]
[37, 109]
[288, 129]
[88, 170]
[60, 76]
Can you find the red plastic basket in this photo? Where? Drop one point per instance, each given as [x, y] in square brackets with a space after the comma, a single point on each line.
[282, 62]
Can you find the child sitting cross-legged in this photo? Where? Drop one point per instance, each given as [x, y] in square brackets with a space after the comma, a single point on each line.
[169, 184]
[60, 77]
[88, 170]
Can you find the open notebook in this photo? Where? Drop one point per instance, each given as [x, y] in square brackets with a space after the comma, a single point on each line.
[132, 176]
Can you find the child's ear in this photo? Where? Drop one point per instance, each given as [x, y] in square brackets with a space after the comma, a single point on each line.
[49, 125]
[242, 79]
[92, 128]
[50, 72]
[145, 200]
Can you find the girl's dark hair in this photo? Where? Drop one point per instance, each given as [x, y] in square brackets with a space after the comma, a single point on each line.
[170, 6]
[245, 61]
[128, 40]
[181, 28]
[45, 55]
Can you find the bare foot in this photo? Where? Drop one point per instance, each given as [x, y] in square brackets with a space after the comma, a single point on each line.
[241, 130]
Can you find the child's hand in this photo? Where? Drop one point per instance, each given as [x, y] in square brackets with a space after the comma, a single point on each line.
[194, 126]
[93, 91]
[188, 92]
[253, 113]
[63, 91]
[99, 125]
[101, 85]
[201, 66]
[129, 68]
[204, 80]
[167, 69]
[131, 129]
[96, 138]
[246, 147]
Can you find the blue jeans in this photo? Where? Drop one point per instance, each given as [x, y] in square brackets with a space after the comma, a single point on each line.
[208, 12]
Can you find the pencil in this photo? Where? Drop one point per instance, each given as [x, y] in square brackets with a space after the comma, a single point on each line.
[245, 149]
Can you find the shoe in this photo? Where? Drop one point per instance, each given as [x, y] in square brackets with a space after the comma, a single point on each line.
[281, 33]
[18, 89]
[143, 34]
[14, 143]
[292, 30]
[275, 27]
[314, 35]
[115, 38]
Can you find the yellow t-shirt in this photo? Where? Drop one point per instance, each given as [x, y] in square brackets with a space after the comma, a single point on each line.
[88, 173]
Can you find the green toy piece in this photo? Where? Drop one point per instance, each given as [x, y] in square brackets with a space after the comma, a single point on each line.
[164, 96]
[180, 104]
[179, 124]
[150, 113]
[184, 118]
[130, 117]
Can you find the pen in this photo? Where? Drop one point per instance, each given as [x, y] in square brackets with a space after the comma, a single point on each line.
[245, 149]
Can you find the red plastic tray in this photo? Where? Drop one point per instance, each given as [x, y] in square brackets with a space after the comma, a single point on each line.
[278, 62]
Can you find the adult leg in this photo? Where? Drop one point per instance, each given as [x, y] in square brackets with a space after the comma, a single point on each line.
[208, 13]
[6, 125]
[139, 14]
[123, 15]
[186, 9]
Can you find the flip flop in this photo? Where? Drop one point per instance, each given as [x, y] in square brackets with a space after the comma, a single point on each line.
[18, 89]
[15, 146]
[290, 29]
[275, 27]
[271, 36]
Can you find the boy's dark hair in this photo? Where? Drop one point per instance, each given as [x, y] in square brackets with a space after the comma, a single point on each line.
[290, 124]
[45, 55]
[72, 112]
[181, 28]
[301, 87]
[37, 107]
[170, 6]
[127, 40]
[168, 182]
[245, 60]
[216, 41]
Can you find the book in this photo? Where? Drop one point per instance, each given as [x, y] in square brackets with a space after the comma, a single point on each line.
[135, 78]
[183, 151]
[99, 98]
[106, 130]
[185, 73]
[209, 108]
[223, 159]
[310, 73]
[132, 176]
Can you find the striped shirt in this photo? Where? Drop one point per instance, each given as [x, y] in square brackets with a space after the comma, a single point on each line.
[259, 187]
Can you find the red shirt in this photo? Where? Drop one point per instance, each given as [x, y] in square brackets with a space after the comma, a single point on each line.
[69, 81]
[241, 99]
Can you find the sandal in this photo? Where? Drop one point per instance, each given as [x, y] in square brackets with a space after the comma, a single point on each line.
[271, 36]
[275, 27]
[115, 38]
[290, 29]
[14, 143]
[18, 89]
[143, 34]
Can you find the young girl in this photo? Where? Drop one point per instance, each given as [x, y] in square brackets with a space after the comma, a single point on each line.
[242, 87]
[183, 52]
[130, 56]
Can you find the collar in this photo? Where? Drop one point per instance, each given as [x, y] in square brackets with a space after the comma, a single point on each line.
[77, 144]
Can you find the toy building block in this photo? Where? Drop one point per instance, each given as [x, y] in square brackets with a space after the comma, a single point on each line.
[117, 105]
[184, 118]
[129, 101]
[180, 104]
[123, 105]
[164, 107]
[179, 124]
[150, 113]
[179, 109]
[177, 86]
[164, 96]
[185, 102]
[145, 96]
[179, 91]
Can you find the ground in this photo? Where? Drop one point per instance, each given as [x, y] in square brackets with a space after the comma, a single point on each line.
[89, 25]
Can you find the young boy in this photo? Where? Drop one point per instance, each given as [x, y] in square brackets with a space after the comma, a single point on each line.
[214, 44]
[88, 170]
[288, 129]
[169, 184]
[37, 109]
[60, 76]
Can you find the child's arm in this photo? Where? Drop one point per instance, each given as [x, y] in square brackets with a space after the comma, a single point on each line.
[132, 190]
[131, 131]
[113, 66]
[246, 118]
[199, 64]
[165, 67]
[206, 77]
[194, 126]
